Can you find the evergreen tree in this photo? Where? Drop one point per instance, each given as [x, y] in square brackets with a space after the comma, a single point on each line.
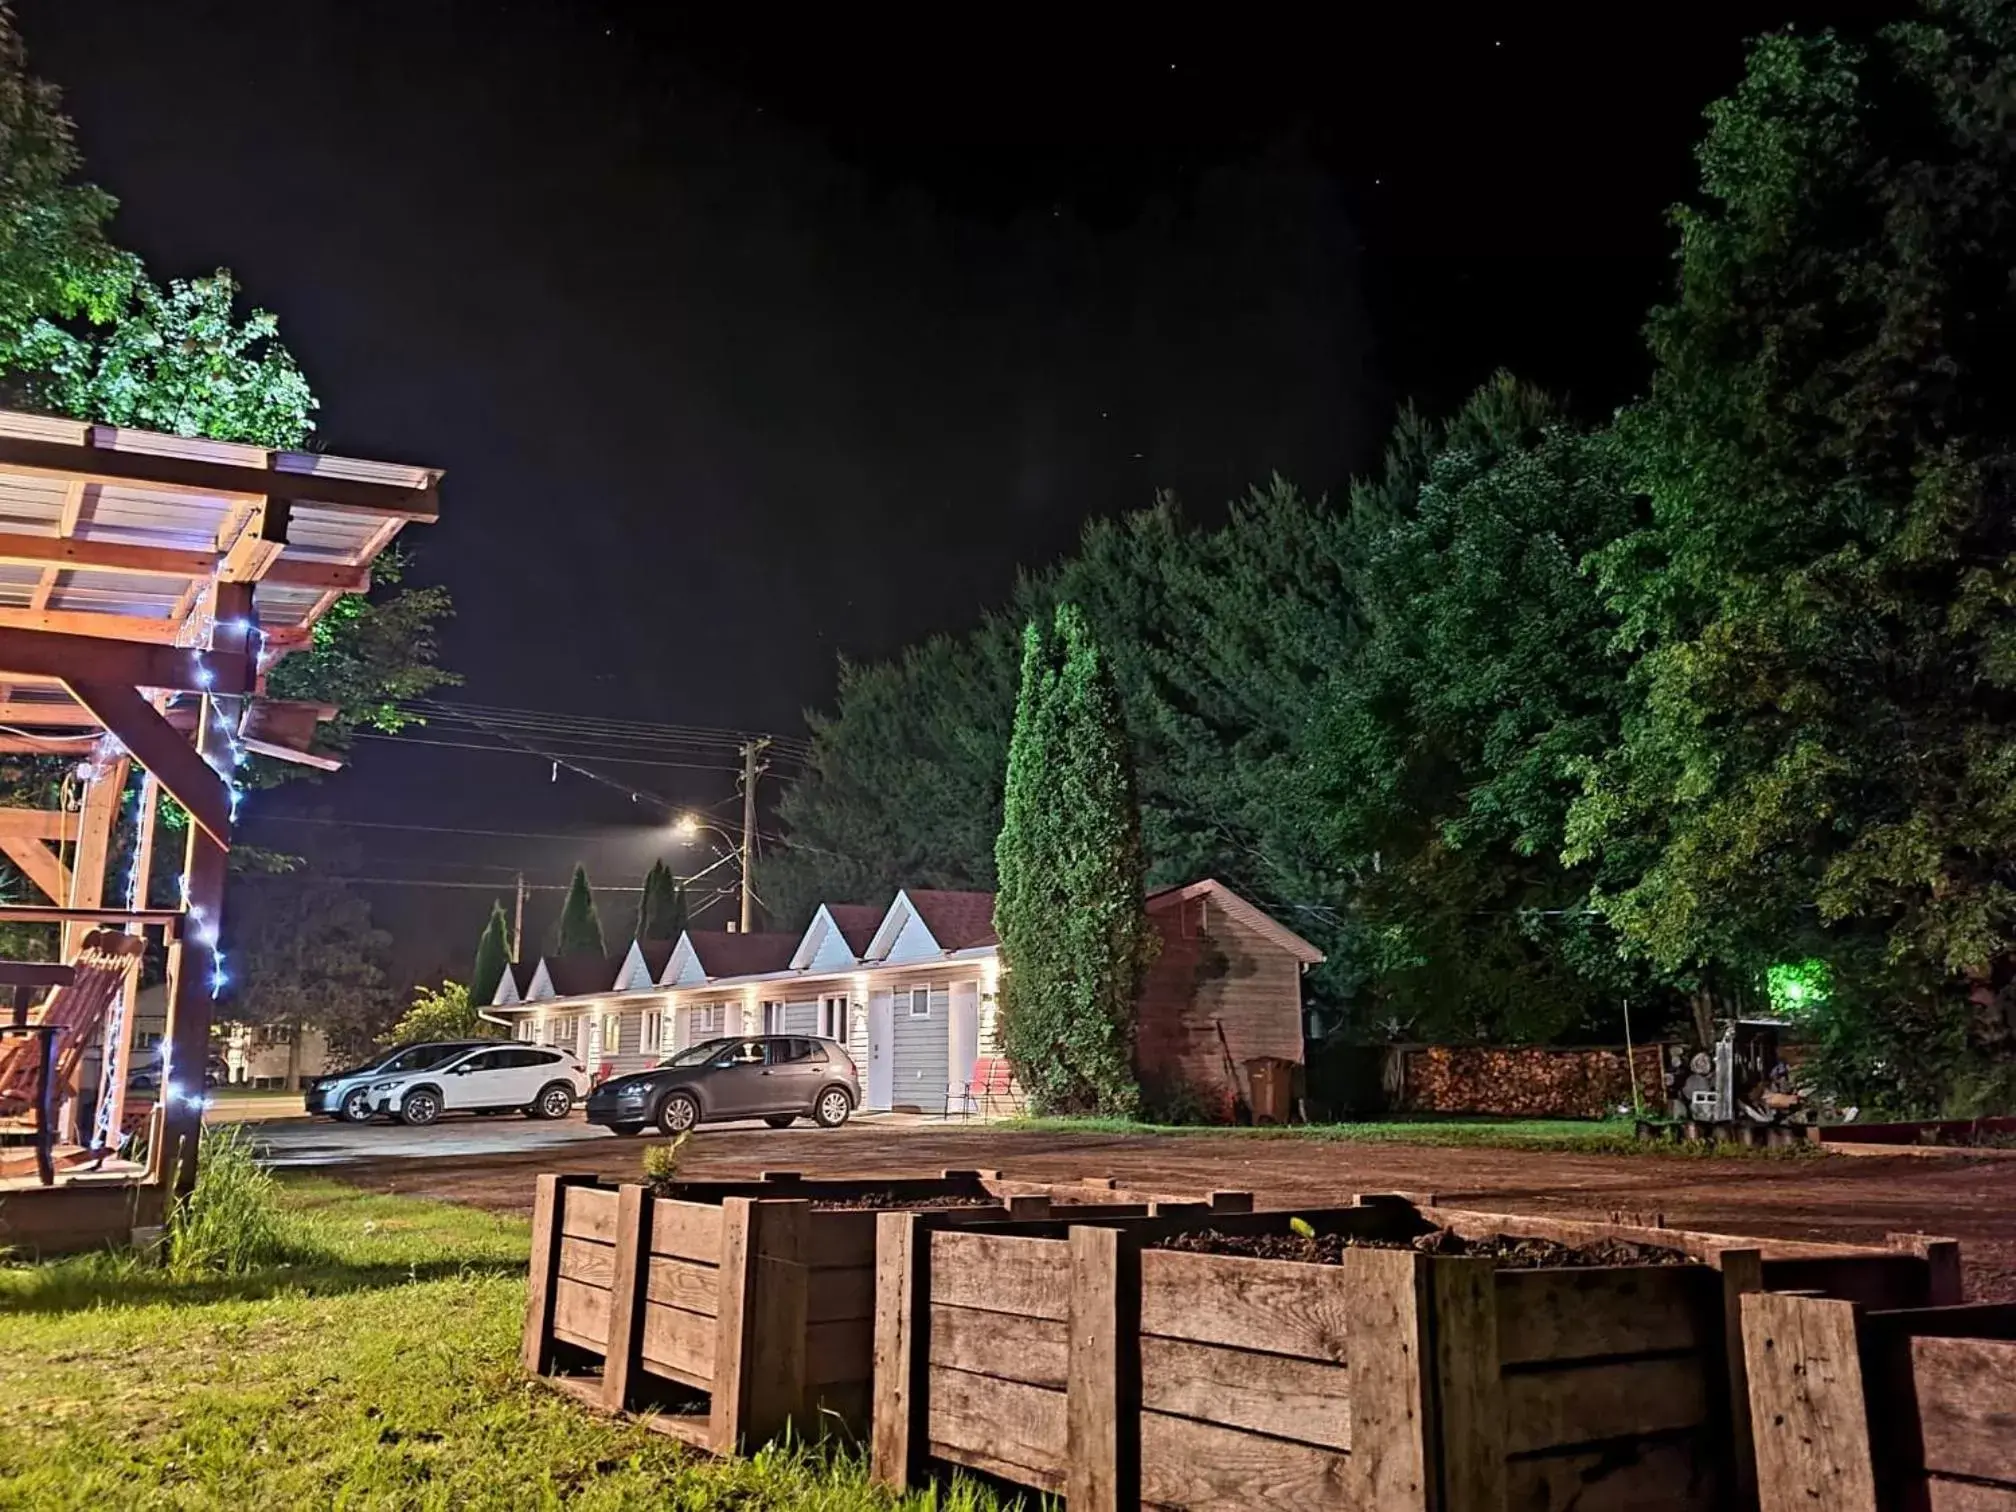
[579, 930]
[661, 910]
[1069, 862]
[493, 954]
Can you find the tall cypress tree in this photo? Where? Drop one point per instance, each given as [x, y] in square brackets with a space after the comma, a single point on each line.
[493, 952]
[1069, 863]
[661, 911]
[579, 931]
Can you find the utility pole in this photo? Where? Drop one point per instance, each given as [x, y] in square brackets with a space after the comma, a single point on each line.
[518, 923]
[750, 772]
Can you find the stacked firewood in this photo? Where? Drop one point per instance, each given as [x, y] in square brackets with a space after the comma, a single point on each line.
[1525, 1081]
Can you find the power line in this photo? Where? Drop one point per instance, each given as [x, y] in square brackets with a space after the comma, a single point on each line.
[425, 829]
[563, 757]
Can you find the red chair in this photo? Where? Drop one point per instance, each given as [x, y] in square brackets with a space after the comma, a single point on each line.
[991, 1091]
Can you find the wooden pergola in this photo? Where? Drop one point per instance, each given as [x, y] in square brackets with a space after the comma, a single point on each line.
[147, 585]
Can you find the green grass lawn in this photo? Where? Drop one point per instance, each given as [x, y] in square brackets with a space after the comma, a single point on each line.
[378, 1370]
[1566, 1135]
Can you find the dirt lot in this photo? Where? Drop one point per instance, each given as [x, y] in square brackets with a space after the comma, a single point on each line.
[1829, 1197]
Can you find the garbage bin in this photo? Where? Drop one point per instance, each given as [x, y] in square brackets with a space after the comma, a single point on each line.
[1270, 1088]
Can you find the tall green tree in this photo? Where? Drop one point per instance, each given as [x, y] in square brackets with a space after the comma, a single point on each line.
[1820, 755]
[1447, 745]
[303, 950]
[579, 929]
[1069, 907]
[661, 910]
[493, 955]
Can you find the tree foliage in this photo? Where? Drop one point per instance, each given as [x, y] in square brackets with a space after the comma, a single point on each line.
[661, 910]
[1069, 910]
[301, 949]
[493, 956]
[447, 1012]
[578, 931]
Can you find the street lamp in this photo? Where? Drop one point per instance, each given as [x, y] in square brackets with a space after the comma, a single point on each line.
[687, 827]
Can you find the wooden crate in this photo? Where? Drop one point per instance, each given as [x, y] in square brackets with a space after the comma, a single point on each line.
[1882, 1410]
[1120, 1375]
[727, 1309]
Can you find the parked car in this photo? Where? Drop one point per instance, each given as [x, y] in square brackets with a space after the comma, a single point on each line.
[346, 1095]
[146, 1074]
[777, 1078]
[538, 1082]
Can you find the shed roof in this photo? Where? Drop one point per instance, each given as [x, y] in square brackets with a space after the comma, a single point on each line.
[957, 920]
[728, 953]
[1254, 917]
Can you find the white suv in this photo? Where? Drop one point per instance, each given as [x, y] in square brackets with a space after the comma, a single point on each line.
[539, 1082]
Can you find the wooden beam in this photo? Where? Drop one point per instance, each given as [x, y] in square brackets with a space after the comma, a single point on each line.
[45, 713]
[38, 824]
[120, 627]
[315, 572]
[169, 919]
[39, 865]
[61, 553]
[118, 1060]
[104, 464]
[94, 843]
[48, 654]
[190, 780]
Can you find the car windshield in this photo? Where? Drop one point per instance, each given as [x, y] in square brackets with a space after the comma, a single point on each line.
[420, 1057]
[698, 1055]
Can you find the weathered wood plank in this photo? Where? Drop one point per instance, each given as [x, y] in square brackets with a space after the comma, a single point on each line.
[1049, 1479]
[1619, 1399]
[1944, 1285]
[1874, 1280]
[1806, 1405]
[1742, 1274]
[1672, 1475]
[1965, 1496]
[534, 1349]
[1021, 1426]
[581, 1313]
[589, 1213]
[841, 1240]
[686, 1231]
[1206, 1468]
[1001, 1273]
[842, 1351]
[1030, 1350]
[626, 1298]
[1606, 1310]
[1304, 1400]
[1279, 1306]
[1469, 1402]
[1103, 1373]
[759, 1348]
[897, 1438]
[679, 1344]
[836, 1295]
[1966, 1392]
[587, 1261]
[683, 1284]
[1391, 1426]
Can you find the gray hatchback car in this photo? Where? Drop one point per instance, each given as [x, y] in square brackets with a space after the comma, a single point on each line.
[779, 1078]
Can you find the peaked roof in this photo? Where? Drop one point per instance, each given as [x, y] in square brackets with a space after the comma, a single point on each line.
[957, 920]
[515, 983]
[856, 923]
[584, 974]
[727, 953]
[1263, 924]
[655, 953]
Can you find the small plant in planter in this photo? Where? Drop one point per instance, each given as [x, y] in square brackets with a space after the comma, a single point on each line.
[661, 1162]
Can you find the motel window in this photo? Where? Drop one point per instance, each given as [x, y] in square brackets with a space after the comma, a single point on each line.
[920, 1002]
[650, 1030]
[773, 1018]
[526, 1029]
[834, 1016]
[612, 1033]
[706, 1020]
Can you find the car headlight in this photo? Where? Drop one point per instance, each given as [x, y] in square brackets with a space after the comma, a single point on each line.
[384, 1086]
[635, 1092]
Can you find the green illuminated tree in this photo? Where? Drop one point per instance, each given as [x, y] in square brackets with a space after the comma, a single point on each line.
[447, 1012]
[493, 955]
[1820, 751]
[661, 910]
[1069, 861]
[579, 929]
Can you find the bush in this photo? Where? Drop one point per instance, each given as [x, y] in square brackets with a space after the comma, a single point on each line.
[230, 1223]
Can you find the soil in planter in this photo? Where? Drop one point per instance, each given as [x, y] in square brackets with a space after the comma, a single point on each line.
[882, 1200]
[1509, 1252]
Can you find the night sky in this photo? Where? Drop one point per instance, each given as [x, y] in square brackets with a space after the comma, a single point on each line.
[747, 342]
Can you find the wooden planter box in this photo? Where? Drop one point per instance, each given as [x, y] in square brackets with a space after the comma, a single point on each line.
[1120, 1375]
[1899, 1410]
[728, 1309]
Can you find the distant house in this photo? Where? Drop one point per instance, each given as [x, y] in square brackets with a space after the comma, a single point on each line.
[911, 991]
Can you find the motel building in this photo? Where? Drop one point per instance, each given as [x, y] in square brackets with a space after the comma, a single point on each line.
[911, 992]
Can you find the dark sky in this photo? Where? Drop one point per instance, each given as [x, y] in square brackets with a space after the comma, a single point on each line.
[749, 341]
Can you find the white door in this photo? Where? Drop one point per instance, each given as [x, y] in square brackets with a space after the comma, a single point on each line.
[484, 1080]
[963, 1043]
[881, 1050]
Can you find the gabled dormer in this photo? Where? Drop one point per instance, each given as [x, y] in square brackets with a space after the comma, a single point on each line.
[837, 938]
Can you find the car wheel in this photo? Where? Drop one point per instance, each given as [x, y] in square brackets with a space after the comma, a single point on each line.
[356, 1108]
[832, 1108]
[420, 1108]
[782, 1120]
[626, 1131]
[555, 1100]
[678, 1113]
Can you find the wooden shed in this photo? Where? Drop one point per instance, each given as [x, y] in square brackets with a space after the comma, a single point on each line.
[1224, 991]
